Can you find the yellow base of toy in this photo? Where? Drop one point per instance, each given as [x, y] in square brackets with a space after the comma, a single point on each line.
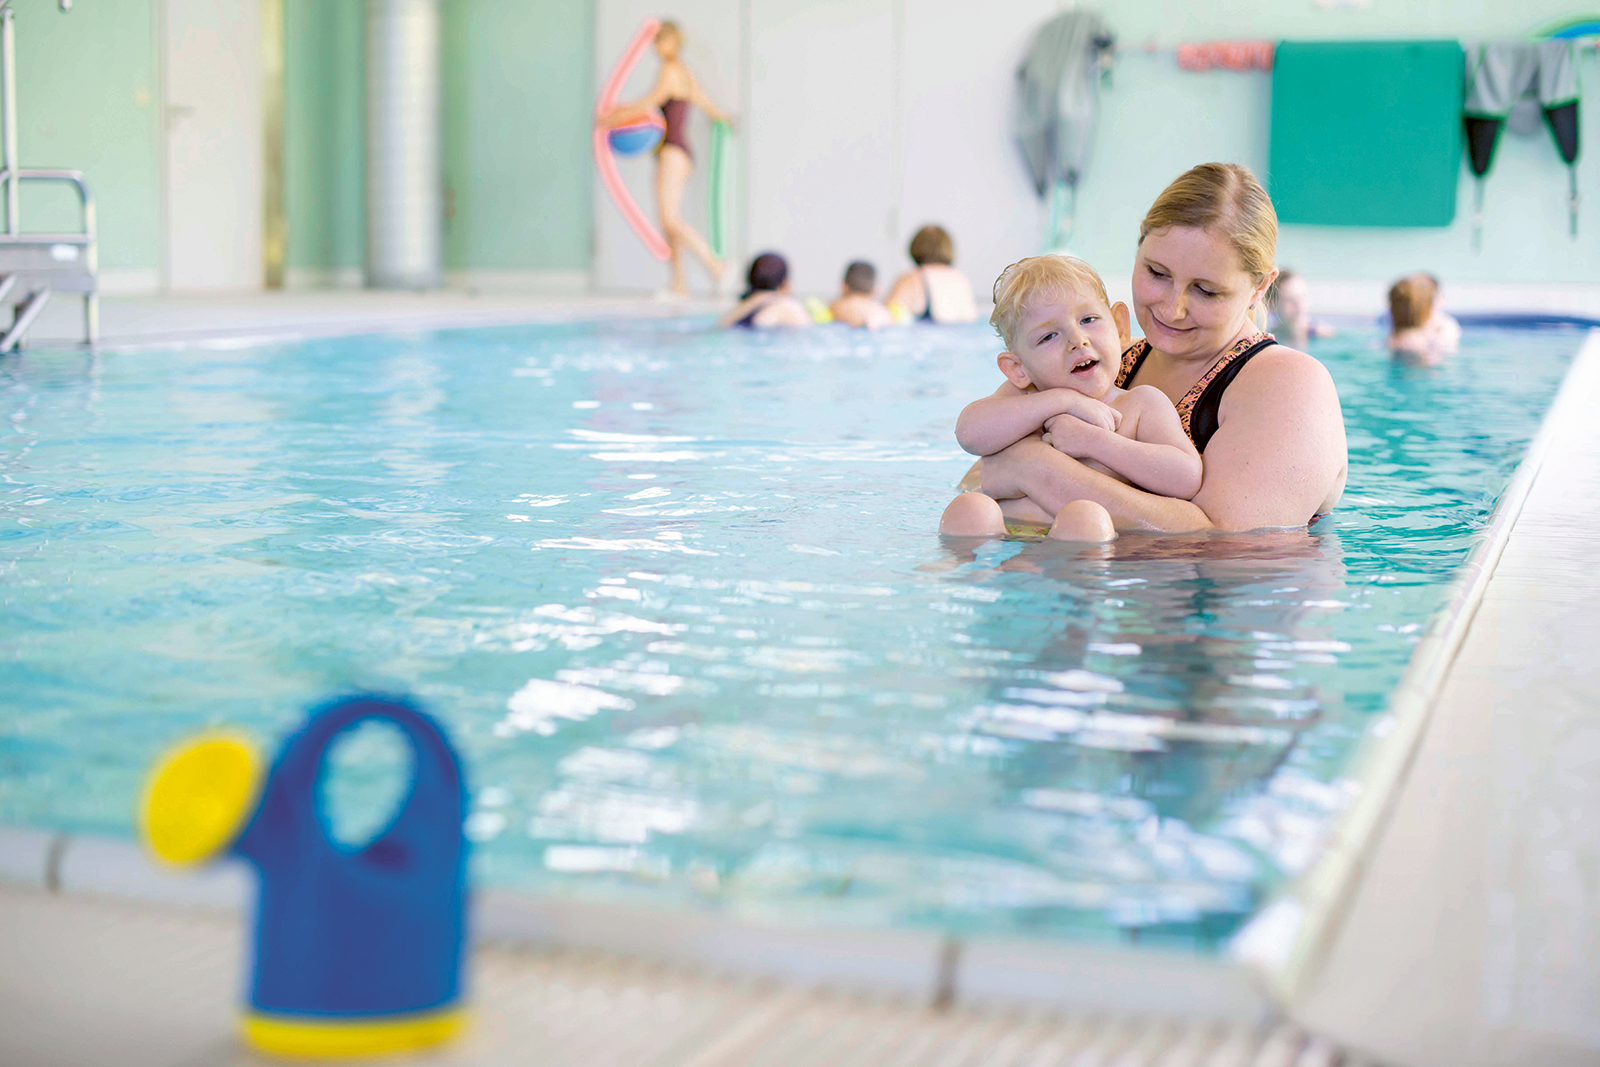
[306, 1038]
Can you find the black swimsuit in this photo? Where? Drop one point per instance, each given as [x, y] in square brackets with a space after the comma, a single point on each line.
[1197, 410]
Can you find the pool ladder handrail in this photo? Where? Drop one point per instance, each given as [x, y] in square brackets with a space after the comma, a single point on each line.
[46, 261]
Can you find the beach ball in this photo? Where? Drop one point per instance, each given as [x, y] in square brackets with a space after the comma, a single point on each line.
[636, 137]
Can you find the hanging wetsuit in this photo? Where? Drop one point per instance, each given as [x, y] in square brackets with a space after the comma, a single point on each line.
[1056, 108]
[1499, 73]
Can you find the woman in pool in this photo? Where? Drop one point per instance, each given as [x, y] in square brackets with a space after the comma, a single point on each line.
[935, 290]
[674, 91]
[1265, 417]
[767, 302]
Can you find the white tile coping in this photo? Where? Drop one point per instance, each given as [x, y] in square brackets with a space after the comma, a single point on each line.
[921, 965]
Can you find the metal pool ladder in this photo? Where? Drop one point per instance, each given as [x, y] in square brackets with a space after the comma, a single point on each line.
[35, 265]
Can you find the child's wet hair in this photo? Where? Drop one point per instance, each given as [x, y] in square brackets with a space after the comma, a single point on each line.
[1411, 300]
[1022, 283]
[860, 277]
[768, 272]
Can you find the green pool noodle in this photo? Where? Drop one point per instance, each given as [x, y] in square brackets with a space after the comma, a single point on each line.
[717, 191]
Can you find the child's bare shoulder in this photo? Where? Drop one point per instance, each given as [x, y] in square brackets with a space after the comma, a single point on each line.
[1142, 398]
[1146, 411]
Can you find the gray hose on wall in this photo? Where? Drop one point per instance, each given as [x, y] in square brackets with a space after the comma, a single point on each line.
[404, 205]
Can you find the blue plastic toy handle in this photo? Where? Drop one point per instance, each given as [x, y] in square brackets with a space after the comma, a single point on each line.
[372, 932]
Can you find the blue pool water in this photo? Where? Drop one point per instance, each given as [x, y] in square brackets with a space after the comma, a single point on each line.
[678, 596]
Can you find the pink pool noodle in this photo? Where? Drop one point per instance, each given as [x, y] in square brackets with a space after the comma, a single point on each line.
[606, 162]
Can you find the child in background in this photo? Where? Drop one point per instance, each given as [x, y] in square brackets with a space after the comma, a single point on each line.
[767, 301]
[1289, 311]
[1418, 326]
[1064, 343]
[857, 304]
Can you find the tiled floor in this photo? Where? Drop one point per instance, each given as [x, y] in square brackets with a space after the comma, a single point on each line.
[88, 981]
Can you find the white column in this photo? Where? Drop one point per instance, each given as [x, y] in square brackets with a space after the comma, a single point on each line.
[405, 239]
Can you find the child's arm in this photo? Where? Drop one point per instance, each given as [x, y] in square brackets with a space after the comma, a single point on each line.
[1009, 414]
[1153, 453]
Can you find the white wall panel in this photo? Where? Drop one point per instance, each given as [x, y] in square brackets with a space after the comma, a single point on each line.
[712, 50]
[822, 135]
[961, 165]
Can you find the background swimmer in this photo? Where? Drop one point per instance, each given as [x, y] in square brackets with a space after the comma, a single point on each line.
[767, 301]
[1289, 311]
[1064, 343]
[935, 291]
[857, 304]
[1418, 326]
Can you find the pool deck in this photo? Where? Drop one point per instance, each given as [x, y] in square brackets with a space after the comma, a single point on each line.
[1453, 925]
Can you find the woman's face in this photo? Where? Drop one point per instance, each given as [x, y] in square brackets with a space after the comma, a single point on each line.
[667, 45]
[1191, 294]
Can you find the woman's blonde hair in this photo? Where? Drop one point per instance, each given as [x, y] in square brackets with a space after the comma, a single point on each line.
[668, 28]
[932, 245]
[1227, 200]
[1027, 281]
[1411, 301]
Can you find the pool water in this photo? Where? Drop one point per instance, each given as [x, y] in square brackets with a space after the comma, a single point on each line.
[679, 598]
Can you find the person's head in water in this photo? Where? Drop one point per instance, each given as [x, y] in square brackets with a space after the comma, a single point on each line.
[860, 277]
[669, 40]
[1411, 301]
[769, 273]
[1288, 303]
[932, 246]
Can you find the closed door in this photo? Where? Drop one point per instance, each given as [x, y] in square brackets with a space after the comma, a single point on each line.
[213, 144]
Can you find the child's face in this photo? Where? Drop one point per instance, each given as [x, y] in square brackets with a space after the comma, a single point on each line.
[1067, 341]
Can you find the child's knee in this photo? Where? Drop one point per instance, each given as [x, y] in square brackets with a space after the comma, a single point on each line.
[973, 515]
[1083, 520]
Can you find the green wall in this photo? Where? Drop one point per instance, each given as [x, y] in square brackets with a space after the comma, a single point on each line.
[86, 96]
[324, 111]
[517, 162]
[516, 87]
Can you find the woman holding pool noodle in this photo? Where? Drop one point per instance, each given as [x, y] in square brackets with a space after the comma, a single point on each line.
[636, 124]
[1266, 418]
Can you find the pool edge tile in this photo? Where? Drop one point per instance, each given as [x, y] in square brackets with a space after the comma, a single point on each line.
[120, 868]
[25, 856]
[1159, 983]
[904, 962]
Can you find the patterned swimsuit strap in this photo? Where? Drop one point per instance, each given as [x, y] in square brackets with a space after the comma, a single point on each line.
[1186, 405]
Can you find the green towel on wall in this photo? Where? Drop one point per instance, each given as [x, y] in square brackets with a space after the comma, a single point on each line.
[1366, 133]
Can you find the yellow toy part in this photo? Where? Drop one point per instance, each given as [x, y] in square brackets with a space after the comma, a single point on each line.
[299, 1037]
[199, 798]
[819, 311]
[899, 315]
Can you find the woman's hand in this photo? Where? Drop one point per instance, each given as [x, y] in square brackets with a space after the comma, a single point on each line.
[1001, 475]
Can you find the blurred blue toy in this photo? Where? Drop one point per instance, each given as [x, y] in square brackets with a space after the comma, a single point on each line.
[356, 952]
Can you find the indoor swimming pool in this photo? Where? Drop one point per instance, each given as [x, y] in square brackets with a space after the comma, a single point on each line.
[678, 596]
